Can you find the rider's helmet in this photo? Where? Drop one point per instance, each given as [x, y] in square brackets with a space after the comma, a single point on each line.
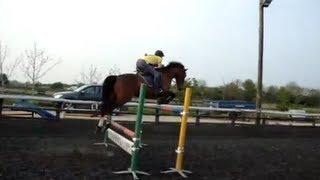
[159, 53]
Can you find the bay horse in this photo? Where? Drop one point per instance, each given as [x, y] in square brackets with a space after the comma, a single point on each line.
[118, 90]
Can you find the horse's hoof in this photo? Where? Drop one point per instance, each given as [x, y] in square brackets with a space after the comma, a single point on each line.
[108, 125]
[104, 128]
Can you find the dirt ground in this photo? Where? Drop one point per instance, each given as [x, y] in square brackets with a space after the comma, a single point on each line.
[37, 149]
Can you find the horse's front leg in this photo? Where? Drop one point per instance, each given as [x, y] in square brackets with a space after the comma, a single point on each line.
[166, 97]
[171, 96]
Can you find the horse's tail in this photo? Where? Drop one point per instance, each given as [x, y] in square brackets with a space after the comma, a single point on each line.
[107, 89]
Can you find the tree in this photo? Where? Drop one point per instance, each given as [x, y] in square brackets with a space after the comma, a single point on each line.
[37, 64]
[296, 92]
[249, 92]
[313, 99]
[271, 94]
[232, 91]
[92, 76]
[199, 88]
[6, 68]
[283, 98]
[10, 68]
[197, 82]
[294, 88]
[3, 57]
[215, 93]
[4, 79]
[114, 70]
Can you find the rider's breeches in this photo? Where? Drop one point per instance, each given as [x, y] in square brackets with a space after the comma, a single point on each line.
[147, 68]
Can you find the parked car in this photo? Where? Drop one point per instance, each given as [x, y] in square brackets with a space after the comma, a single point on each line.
[85, 92]
[231, 104]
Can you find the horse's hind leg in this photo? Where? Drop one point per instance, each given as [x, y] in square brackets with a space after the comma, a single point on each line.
[105, 120]
[107, 123]
[101, 123]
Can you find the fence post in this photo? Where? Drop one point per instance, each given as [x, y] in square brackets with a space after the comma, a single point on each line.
[58, 110]
[313, 122]
[263, 121]
[233, 117]
[157, 116]
[233, 121]
[197, 117]
[1, 105]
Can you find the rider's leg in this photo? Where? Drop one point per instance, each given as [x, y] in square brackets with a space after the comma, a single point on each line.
[141, 65]
[157, 80]
[147, 68]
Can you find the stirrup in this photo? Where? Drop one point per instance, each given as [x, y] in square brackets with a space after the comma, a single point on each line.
[158, 91]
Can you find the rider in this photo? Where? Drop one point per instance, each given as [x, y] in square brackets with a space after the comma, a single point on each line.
[148, 64]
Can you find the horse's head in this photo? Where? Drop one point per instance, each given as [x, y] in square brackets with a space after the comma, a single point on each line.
[177, 71]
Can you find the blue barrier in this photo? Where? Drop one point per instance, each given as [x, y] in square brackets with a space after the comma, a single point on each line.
[23, 105]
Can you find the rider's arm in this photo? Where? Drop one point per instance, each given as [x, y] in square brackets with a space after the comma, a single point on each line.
[160, 65]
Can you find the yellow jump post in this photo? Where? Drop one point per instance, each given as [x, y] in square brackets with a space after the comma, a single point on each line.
[182, 138]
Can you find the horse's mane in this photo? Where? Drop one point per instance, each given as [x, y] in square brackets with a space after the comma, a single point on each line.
[173, 64]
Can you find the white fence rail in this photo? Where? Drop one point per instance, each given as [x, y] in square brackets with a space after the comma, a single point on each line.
[167, 107]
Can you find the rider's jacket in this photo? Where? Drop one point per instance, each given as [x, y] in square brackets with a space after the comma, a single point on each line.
[152, 59]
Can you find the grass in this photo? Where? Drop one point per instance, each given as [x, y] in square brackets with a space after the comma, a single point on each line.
[269, 106]
[273, 106]
[312, 110]
[146, 111]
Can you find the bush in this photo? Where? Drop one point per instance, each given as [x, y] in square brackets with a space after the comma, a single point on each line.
[57, 86]
[283, 107]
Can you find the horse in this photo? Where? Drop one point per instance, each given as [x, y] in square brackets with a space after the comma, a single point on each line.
[120, 89]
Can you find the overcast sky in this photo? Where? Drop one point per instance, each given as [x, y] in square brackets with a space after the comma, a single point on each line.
[217, 40]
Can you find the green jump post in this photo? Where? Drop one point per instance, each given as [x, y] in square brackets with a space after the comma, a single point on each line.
[137, 138]
[138, 132]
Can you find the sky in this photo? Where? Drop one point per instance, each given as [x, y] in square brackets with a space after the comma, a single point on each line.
[217, 40]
